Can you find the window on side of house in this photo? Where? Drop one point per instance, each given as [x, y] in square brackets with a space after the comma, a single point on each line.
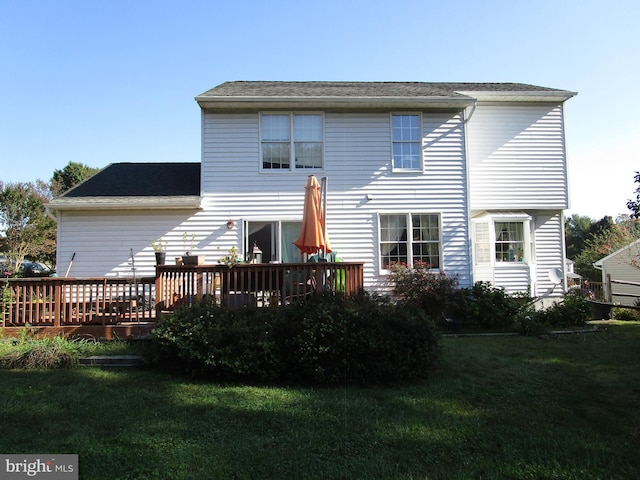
[501, 241]
[482, 243]
[409, 238]
[510, 241]
[291, 141]
[406, 137]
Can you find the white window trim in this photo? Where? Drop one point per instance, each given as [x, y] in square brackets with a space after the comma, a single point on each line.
[420, 142]
[292, 167]
[492, 219]
[245, 247]
[384, 271]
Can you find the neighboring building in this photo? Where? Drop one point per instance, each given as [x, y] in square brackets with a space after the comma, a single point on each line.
[621, 266]
[470, 178]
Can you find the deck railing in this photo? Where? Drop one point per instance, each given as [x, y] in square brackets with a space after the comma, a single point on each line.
[66, 302]
[59, 302]
[270, 284]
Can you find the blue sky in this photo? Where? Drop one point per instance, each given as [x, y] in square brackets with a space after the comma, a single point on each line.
[100, 81]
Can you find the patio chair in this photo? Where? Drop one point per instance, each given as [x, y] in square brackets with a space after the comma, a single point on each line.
[336, 282]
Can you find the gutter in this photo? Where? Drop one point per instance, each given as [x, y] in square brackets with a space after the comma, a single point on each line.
[333, 102]
[126, 203]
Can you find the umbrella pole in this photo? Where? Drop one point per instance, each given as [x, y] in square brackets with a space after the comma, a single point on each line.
[323, 197]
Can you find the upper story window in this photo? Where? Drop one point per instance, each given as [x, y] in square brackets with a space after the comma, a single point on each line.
[405, 133]
[409, 238]
[291, 141]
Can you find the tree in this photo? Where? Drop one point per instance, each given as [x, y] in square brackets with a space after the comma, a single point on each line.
[29, 232]
[634, 205]
[577, 230]
[604, 242]
[69, 177]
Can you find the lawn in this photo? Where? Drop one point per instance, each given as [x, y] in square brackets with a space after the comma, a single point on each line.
[564, 407]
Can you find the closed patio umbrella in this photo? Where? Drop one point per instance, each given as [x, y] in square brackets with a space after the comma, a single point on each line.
[313, 235]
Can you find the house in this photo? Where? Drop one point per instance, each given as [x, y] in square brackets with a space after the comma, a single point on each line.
[468, 177]
[621, 275]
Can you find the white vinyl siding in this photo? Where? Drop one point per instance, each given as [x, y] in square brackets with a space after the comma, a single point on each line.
[517, 157]
[103, 241]
[357, 163]
[549, 253]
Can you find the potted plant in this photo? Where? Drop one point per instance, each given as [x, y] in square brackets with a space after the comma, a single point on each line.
[159, 247]
[189, 242]
[232, 258]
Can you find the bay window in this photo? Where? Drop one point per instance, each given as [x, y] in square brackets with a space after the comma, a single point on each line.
[502, 239]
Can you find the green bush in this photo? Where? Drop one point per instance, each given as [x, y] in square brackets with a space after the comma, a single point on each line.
[625, 314]
[572, 311]
[327, 339]
[419, 284]
[231, 344]
[481, 306]
[488, 307]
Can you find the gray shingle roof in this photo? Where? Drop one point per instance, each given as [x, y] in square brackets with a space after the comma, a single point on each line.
[363, 89]
[141, 180]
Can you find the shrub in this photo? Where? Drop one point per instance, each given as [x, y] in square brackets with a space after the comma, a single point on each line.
[572, 311]
[419, 284]
[443, 301]
[491, 307]
[230, 344]
[326, 339]
[625, 314]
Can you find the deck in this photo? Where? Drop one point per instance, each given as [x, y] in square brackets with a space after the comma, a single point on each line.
[129, 307]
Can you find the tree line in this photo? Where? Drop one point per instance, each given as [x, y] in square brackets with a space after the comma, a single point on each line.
[28, 230]
[588, 240]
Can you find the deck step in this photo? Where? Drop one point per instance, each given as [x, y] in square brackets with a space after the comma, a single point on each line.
[112, 361]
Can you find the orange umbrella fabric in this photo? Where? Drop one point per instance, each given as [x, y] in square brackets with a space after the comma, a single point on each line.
[312, 234]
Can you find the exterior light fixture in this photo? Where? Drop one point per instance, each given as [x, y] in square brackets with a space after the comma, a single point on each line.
[230, 224]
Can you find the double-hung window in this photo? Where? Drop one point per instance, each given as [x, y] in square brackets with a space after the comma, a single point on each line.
[291, 141]
[405, 134]
[409, 238]
[502, 240]
[509, 241]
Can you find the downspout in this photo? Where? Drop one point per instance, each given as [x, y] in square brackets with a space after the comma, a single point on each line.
[50, 214]
[467, 114]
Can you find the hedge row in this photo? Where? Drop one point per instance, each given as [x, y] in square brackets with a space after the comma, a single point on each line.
[327, 339]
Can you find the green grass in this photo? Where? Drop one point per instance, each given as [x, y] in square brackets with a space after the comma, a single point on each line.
[564, 407]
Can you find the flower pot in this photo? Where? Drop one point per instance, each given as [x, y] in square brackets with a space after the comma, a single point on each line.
[193, 259]
[160, 258]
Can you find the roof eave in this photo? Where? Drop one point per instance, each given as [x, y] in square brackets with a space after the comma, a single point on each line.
[186, 202]
[521, 96]
[257, 102]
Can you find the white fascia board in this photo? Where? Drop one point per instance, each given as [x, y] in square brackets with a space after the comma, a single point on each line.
[207, 102]
[126, 203]
[515, 96]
